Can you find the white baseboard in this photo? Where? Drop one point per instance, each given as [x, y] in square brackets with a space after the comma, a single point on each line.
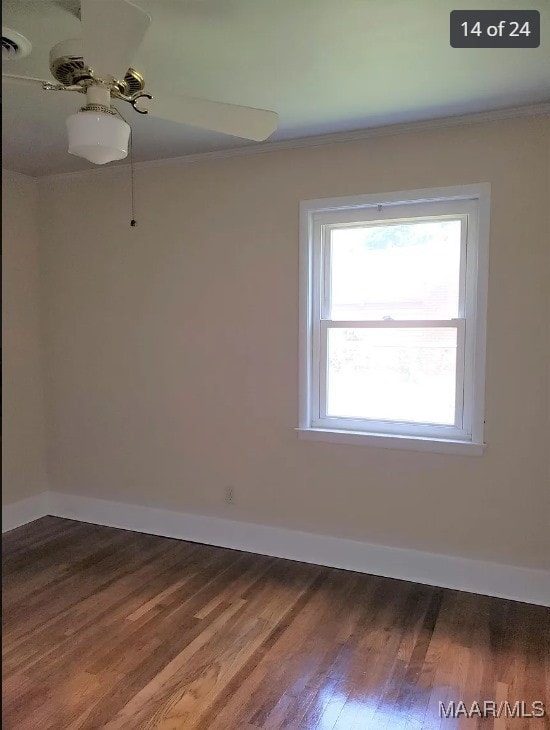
[474, 576]
[26, 510]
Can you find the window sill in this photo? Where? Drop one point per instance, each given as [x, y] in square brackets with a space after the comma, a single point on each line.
[384, 441]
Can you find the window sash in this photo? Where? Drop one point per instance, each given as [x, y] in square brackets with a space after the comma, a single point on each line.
[323, 224]
[398, 212]
[320, 418]
[323, 236]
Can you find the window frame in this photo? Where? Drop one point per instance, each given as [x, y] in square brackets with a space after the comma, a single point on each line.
[471, 203]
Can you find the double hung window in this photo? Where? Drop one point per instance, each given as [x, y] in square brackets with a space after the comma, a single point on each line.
[393, 317]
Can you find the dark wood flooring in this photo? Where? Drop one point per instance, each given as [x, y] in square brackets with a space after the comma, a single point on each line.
[105, 628]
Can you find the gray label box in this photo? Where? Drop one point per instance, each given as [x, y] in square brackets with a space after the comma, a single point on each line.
[495, 28]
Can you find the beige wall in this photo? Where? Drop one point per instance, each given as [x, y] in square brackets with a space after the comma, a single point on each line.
[172, 348]
[23, 453]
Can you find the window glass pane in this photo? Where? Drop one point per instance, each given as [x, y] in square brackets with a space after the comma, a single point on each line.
[401, 271]
[393, 374]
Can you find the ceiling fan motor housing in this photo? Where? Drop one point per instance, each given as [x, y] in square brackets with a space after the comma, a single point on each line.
[67, 66]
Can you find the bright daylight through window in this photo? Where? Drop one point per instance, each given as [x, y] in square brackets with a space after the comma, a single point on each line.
[393, 318]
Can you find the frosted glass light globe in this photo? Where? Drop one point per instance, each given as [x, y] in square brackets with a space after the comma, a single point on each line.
[98, 137]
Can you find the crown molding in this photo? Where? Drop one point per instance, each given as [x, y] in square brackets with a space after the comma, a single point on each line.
[531, 110]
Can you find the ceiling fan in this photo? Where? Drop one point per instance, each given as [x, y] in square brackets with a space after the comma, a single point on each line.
[99, 65]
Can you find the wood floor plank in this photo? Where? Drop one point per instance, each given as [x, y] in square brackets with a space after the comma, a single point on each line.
[105, 628]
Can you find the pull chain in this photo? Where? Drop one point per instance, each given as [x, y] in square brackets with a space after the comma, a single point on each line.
[133, 221]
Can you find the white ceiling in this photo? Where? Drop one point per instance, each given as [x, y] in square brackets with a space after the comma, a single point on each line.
[323, 65]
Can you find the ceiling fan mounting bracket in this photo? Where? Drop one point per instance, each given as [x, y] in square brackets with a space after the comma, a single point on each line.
[68, 67]
[133, 99]
[114, 88]
[136, 108]
[48, 86]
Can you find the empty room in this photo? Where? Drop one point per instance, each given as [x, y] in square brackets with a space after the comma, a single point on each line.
[276, 364]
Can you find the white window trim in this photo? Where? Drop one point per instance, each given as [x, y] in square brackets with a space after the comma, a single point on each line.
[316, 212]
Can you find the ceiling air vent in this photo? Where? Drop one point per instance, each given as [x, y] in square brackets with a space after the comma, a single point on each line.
[14, 45]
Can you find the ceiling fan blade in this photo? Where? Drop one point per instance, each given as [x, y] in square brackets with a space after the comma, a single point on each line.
[239, 121]
[24, 80]
[112, 31]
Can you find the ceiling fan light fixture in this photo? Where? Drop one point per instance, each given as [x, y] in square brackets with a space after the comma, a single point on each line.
[97, 136]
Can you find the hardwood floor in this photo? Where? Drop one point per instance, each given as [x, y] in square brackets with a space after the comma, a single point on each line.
[114, 629]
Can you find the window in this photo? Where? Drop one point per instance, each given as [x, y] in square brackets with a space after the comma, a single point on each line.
[393, 318]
